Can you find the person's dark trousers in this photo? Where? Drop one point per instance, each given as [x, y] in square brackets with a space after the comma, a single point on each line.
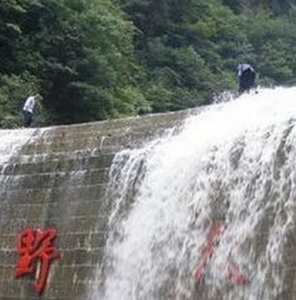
[247, 81]
[28, 118]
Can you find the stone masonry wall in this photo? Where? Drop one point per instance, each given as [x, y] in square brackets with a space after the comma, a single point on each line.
[58, 180]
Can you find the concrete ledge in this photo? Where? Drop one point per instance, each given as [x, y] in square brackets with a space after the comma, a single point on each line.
[58, 179]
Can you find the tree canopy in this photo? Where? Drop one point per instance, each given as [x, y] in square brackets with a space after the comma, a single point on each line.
[98, 59]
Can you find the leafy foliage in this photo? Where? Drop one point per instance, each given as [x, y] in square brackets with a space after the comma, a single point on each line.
[99, 59]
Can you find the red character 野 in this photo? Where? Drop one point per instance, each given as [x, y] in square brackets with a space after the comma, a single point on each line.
[36, 246]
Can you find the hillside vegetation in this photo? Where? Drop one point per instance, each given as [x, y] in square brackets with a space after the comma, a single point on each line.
[98, 59]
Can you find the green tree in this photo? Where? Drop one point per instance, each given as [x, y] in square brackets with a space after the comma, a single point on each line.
[12, 13]
[99, 59]
[82, 52]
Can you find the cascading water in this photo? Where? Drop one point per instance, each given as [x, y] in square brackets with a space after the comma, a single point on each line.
[12, 141]
[233, 163]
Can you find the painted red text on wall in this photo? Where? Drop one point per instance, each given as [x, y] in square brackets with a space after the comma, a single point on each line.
[234, 275]
[36, 247]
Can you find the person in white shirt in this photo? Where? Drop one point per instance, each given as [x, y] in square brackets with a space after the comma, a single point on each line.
[28, 110]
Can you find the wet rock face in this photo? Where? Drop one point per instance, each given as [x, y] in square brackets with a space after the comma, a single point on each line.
[57, 177]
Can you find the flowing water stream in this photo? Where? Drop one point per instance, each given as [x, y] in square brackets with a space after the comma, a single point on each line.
[233, 166]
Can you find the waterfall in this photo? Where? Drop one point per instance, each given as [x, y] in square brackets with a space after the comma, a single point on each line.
[231, 164]
[12, 141]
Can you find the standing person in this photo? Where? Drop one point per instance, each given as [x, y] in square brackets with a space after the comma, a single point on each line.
[246, 77]
[28, 110]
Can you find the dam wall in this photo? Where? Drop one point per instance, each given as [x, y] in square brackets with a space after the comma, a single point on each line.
[196, 205]
[56, 178]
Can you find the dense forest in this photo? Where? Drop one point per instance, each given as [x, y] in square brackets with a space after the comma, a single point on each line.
[99, 59]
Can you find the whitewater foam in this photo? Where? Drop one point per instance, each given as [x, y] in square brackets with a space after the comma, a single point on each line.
[233, 162]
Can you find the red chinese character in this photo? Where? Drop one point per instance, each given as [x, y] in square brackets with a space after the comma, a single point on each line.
[36, 246]
[234, 275]
[207, 252]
